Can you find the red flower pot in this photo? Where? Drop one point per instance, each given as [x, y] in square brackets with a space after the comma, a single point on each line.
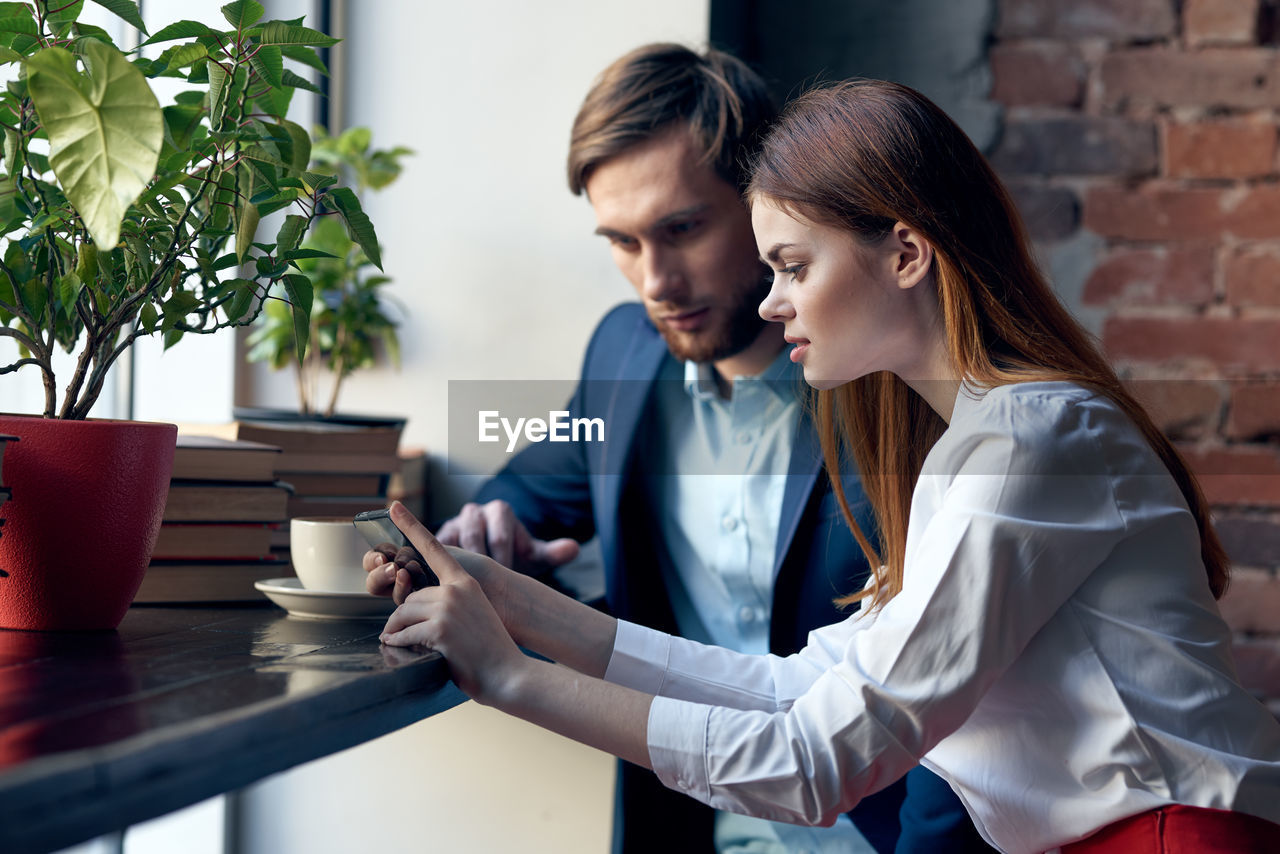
[88, 497]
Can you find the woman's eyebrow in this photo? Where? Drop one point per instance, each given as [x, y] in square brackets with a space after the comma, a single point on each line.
[776, 250]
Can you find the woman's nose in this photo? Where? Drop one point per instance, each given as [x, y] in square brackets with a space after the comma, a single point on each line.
[775, 307]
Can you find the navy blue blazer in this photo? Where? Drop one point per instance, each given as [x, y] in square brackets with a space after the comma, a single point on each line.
[585, 489]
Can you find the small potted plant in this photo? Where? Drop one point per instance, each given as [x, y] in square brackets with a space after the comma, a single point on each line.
[121, 217]
[349, 321]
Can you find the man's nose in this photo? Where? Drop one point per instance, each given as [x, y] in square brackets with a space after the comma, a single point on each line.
[662, 276]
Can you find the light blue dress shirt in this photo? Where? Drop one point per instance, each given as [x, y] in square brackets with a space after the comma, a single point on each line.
[717, 474]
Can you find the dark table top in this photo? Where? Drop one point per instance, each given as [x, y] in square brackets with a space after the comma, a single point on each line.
[102, 730]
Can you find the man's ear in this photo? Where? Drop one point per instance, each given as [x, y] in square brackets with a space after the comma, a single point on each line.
[912, 255]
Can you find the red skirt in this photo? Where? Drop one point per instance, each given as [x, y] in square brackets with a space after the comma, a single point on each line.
[1181, 829]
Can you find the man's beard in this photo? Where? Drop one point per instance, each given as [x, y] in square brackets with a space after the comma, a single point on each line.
[735, 333]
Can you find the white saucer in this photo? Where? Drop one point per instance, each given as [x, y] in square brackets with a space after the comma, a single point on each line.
[289, 594]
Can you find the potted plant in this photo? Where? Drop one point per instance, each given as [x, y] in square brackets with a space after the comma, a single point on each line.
[121, 217]
[349, 320]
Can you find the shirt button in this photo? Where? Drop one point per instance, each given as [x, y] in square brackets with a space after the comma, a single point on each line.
[744, 438]
[747, 614]
[729, 523]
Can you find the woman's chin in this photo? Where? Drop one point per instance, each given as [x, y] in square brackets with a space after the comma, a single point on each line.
[823, 383]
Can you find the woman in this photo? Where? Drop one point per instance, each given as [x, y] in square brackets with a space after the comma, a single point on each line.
[1042, 631]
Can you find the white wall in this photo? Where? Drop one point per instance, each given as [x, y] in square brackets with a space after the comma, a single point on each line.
[492, 256]
[503, 279]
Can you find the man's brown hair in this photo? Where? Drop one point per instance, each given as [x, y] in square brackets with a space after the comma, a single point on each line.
[725, 104]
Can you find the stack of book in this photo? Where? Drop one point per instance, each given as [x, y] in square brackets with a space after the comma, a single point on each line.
[225, 505]
[334, 468]
[409, 485]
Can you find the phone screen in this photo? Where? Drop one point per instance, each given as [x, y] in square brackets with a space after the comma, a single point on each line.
[377, 528]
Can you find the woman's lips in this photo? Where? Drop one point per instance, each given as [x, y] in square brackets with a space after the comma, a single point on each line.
[798, 351]
[688, 321]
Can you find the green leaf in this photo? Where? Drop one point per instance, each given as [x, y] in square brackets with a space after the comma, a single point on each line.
[68, 292]
[301, 294]
[306, 55]
[63, 13]
[280, 33]
[180, 30]
[126, 9]
[182, 55]
[8, 54]
[269, 63]
[297, 254]
[291, 232]
[358, 225]
[104, 128]
[34, 297]
[218, 89]
[243, 13]
[17, 20]
[297, 81]
[243, 299]
[247, 224]
[300, 149]
[316, 181]
[148, 316]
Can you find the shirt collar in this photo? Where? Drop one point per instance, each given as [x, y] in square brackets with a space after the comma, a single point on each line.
[782, 376]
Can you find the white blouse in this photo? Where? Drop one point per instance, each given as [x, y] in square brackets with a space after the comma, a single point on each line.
[1055, 653]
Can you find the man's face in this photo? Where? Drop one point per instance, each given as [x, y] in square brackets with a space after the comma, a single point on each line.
[682, 237]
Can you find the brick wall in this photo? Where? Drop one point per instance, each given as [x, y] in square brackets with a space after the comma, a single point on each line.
[1140, 140]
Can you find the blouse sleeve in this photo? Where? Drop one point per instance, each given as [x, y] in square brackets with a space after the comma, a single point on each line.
[1018, 521]
[670, 666]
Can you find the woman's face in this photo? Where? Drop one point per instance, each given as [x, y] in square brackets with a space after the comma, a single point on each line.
[851, 309]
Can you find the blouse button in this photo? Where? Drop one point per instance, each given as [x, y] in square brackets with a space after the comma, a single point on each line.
[729, 523]
[747, 614]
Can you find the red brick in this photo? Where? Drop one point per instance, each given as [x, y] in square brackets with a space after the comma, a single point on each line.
[1156, 213]
[1113, 19]
[1258, 666]
[1250, 540]
[1220, 21]
[1242, 77]
[1046, 74]
[1049, 213]
[1253, 275]
[1237, 476]
[1077, 145]
[1182, 408]
[1153, 276]
[1160, 211]
[1252, 602]
[1254, 213]
[1219, 149]
[1226, 342]
[1255, 411]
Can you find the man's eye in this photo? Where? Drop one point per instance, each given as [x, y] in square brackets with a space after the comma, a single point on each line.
[680, 229]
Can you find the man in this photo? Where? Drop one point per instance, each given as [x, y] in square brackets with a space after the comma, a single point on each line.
[714, 518]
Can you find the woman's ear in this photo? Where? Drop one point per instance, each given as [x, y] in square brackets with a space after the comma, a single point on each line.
[912, 255]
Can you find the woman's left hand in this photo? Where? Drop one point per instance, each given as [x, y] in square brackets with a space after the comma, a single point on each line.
[456, 619]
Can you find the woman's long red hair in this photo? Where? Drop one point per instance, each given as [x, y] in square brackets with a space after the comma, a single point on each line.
[865, 154]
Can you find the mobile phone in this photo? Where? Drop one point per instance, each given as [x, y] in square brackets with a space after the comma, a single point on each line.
[377, 528]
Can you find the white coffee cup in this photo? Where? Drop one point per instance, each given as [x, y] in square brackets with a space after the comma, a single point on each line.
[327, 553]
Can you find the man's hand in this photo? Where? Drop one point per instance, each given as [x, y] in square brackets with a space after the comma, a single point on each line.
[492, 529]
